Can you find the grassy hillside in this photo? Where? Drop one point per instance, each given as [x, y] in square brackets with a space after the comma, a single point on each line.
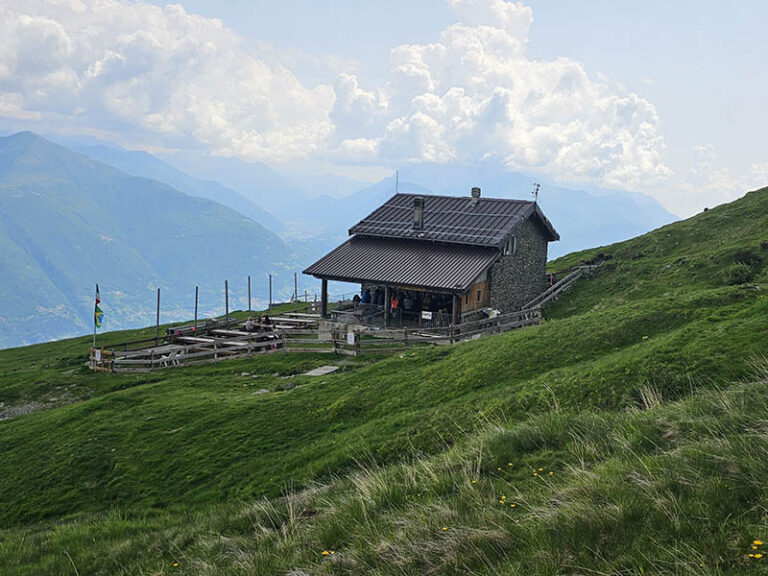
[662, 489]
[67, 222]
[624, 393]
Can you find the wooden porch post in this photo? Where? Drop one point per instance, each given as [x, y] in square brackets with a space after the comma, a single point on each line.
[456, 309]
[324, 299]
[387, 296]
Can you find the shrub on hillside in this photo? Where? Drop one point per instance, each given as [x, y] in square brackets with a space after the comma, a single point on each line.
[739, 273]
[748, 256]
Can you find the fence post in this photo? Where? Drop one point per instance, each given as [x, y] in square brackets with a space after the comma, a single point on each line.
[197, 289]
[226, 303]
[157, 320]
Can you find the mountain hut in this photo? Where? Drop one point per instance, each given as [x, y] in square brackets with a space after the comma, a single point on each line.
[422, 257]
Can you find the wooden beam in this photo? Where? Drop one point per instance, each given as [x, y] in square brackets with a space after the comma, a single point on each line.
[456, 309]
[387, 297]
[324, 299]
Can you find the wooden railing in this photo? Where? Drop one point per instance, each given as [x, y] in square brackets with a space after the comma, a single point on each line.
[193, 350]
[185, 347]
[561, 286]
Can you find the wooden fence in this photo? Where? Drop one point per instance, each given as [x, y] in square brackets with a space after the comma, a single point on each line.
[219, 342]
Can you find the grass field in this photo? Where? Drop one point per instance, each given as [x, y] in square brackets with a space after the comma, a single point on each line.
[643, 392]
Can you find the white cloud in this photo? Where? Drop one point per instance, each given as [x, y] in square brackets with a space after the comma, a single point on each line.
[475, 95]
[708, 182]
[131, 68]
[159, 77]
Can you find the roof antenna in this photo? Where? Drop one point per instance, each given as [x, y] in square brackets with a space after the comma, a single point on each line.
[535, 193]
[397, 181]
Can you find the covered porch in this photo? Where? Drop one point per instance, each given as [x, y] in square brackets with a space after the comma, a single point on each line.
[405, 282]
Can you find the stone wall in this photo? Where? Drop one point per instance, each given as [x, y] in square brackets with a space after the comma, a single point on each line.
[518, 278]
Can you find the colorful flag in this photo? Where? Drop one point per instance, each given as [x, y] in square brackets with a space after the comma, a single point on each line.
[98, 315]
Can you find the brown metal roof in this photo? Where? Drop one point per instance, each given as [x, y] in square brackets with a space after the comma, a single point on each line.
[458, 220]
[405, 262]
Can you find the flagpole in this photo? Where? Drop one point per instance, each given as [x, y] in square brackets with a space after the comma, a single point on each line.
[94, 316]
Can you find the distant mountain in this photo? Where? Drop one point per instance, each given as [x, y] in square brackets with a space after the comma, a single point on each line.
[68, 221]
[286, 194]
[584, 219]
[139, 163]
[318, 212]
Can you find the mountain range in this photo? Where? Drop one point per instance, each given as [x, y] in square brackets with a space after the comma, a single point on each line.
[318, 212]
[88, 212]
[68, 222]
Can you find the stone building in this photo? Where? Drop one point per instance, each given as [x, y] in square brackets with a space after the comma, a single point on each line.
[443, 254]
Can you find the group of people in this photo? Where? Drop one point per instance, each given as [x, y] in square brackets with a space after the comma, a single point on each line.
[260, 323]
[402, 303]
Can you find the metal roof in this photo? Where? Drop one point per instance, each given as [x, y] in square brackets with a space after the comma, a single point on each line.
[405, 262]
[458, 220]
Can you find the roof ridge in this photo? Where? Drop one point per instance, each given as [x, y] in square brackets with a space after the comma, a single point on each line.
[483, 198]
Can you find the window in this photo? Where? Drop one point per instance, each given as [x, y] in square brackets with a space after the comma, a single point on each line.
[479, 292]
[511, 246]
[466, 298]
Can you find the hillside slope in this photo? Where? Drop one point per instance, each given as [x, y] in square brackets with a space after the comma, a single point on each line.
[617, 393]
[144, 165]
[68, 222]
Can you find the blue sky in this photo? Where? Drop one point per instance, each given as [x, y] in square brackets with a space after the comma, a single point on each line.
[665, 98]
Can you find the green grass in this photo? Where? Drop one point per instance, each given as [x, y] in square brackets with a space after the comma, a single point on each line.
[128, 473]
[675, 488]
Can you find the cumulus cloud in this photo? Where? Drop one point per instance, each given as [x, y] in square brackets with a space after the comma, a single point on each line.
[475, 95]
[131, 68]
[166, 78]
[709, 182]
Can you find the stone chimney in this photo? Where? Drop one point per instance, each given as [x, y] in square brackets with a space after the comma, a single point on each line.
[418, 213]
[475, 195]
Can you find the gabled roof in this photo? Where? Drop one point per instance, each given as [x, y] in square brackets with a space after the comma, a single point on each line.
[405, 262]
[456, 220]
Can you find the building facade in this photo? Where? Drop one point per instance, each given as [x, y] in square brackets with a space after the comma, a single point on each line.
[443, 254]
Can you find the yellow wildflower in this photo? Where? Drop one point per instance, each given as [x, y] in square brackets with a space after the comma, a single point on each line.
[175, 564]
[551, 473]
[445, 528]
[535, 473]
[758, 555]
[512, 505]
[541, 469]
[325, 552]
[509, 464]
[757, 542]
